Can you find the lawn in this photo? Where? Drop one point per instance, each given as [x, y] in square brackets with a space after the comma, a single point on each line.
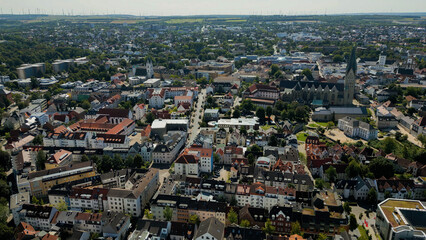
[301, 136]
[266, 127]
[363, 232]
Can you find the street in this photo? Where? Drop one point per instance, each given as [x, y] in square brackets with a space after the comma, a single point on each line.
[196, 117]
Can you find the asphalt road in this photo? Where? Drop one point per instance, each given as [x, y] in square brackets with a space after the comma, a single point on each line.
[197, 117]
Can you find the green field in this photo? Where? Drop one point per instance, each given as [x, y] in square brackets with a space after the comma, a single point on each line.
[184, 20]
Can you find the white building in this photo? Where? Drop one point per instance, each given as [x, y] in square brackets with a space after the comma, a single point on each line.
[16, 203]
[355, 128]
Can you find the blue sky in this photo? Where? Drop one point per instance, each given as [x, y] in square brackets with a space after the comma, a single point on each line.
[208, 7]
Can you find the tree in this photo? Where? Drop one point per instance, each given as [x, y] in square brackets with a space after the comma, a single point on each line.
[269, 228]
[389, 145]
[352, 222]
[307, 72]
[236, 113]
[38, 140]
[5, 162]
[232, 216]
[245, 223]
[322, 236]
[194, 219]
[422, 139]
[85, 158]
[353, 169]
[137, 161]
[148, 214]
[251, 158]
[40, 160]
[273, 141]
[168, 213]
[269, 112]
[295, 228]
[150, 117]
[331, 173]
[35, 201]
[260, 113]
[61, 206]
[319, 183]
[347, 208]
[86, 105]
[372, 196]
[381, 167]
[255, 148]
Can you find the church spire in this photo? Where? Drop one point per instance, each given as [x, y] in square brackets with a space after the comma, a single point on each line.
[352, 65]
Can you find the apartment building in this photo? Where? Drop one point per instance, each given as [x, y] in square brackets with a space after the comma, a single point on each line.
[138, 190]
[39, 217]
[41, 181]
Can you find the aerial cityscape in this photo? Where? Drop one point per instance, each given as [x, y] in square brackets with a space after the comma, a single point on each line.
[120, 123]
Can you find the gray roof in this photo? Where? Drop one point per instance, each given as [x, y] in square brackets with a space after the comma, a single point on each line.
[212, 226]
[349, 110]
[19, 199]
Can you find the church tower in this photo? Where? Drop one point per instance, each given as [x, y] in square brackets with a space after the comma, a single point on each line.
[350, 79]
[149, 69]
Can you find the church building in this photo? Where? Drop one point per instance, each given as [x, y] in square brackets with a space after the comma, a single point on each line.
[313, 92]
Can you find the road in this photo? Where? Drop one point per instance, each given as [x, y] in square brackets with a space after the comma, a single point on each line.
[196, 117]
[410, 138]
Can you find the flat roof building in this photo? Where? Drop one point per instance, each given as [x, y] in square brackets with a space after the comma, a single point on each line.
[401, 219]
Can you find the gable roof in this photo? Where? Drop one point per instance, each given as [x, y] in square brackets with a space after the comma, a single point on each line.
[212, 226]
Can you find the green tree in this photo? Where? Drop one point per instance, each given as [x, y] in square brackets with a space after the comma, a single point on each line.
[86, 105]
[381, 167]
[269, 112]
[148, 214]
[372, 196]
[331, 174]
[41, 160]
[85, 158]
[295, 228]
[245, 223]
[422, 139]
[273, 141]
[322, 236]
[353, 169]
[137, 161]
[319, 183]
[5, 161]
[352, 222]
[150, 117]
[389, 145]
[269, 228]
[347, 208]
[194, 219]
[307, 72]
[38, 140]
[168, 213]
[232, 216]
[61, 206]
[236, 113]
[260, 113]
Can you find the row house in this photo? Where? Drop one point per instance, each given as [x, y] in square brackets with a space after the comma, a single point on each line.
[82, 199]
[184, 207]
[261, 196]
